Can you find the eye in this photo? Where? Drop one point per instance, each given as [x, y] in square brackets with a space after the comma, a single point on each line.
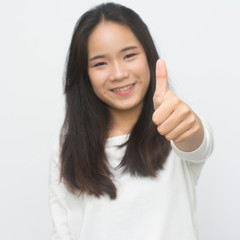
[99, 64]
[130, 55]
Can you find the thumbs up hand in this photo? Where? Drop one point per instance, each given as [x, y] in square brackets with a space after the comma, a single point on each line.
[174, 119]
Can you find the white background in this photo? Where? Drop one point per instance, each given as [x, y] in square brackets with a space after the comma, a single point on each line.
[199, 41]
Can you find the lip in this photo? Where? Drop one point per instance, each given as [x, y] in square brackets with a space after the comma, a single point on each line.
[112, 89]
[124, 92]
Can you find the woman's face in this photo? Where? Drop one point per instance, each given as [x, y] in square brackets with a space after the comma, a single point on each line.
[117, 66]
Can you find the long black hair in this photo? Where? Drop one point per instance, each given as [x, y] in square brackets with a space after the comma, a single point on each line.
[84, 166]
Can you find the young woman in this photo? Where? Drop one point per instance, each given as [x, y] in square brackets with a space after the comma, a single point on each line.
[130, 151]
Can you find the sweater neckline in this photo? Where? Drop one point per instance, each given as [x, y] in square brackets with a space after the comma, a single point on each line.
[117, 140]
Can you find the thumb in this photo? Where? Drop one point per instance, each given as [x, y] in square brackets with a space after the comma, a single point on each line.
[161, 83]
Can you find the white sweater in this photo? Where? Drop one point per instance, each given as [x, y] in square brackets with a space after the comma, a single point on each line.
[162, 208]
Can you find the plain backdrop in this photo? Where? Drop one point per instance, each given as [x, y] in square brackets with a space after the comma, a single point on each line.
[199, 41]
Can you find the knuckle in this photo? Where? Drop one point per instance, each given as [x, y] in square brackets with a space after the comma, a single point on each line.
[186, 109]
[196, 128]
[161, 130]
[178, 140]
[169, 137]
[154, 119]
[192, 120]
[176, 101]
[171, 94]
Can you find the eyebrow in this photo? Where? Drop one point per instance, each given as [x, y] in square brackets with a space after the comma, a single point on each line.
[123, 50]
[128, 48]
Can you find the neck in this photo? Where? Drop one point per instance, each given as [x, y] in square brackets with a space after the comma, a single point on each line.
[122, 122]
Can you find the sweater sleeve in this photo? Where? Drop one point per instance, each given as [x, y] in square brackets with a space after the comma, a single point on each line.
[196, 159]
[57, 200]
[202, 152]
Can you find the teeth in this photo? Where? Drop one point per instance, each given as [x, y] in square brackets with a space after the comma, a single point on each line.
[123, 88]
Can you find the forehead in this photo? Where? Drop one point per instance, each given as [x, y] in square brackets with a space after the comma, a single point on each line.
[111, 36]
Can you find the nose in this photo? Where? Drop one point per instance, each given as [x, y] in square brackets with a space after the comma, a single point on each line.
[118, 71]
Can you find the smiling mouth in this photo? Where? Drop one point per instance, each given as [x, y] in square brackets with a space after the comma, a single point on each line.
[123, 88]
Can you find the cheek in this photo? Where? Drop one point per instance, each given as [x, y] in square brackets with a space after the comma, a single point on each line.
[141, 68]
[95, 79]
[98, 82]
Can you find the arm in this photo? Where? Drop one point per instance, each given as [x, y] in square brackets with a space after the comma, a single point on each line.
[174, 119]
[196, 159]
[192, 142]
[57, 200]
